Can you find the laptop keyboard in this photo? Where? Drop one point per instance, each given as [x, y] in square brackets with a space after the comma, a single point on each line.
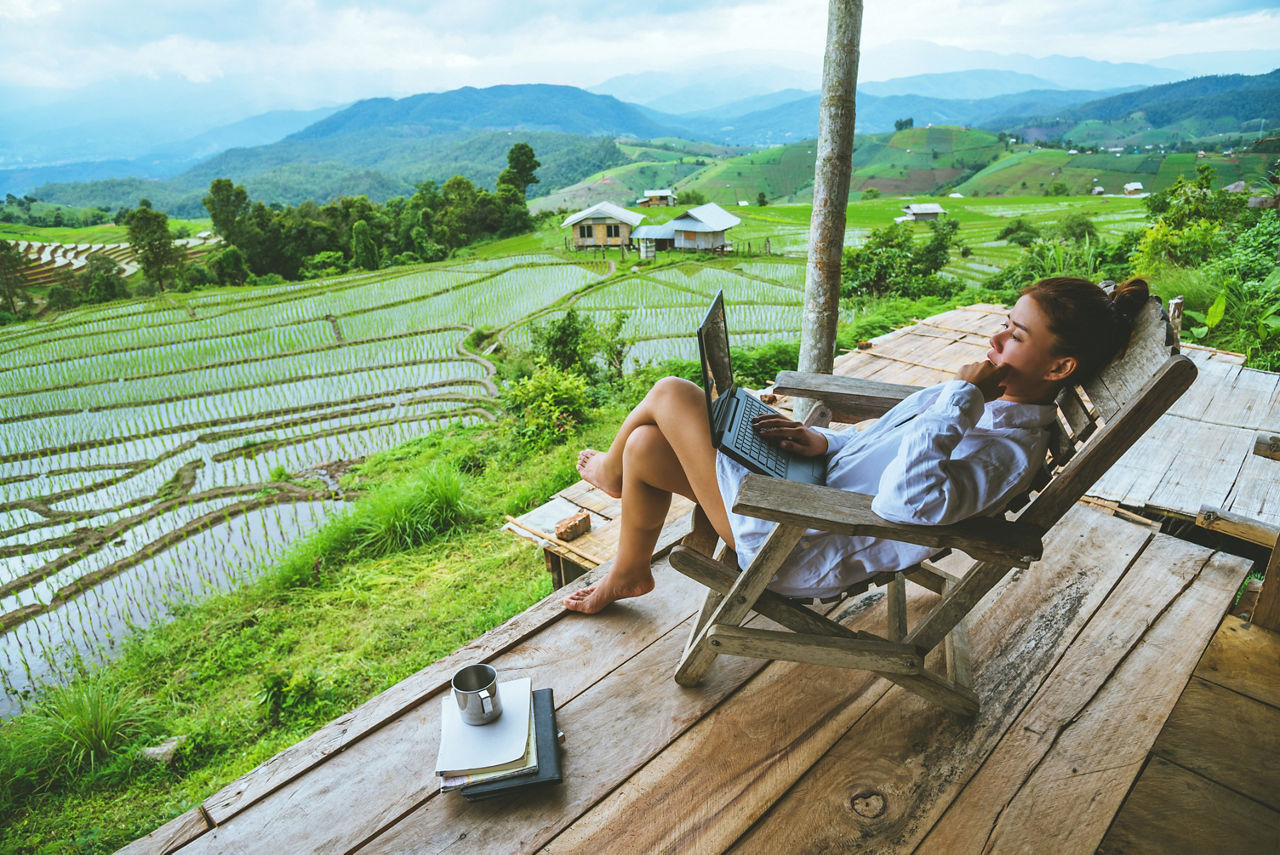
[751, 444]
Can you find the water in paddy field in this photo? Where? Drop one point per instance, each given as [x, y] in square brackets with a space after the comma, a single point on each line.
[90, 627]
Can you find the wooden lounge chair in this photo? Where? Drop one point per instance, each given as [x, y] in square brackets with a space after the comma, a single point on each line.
[1096, 424]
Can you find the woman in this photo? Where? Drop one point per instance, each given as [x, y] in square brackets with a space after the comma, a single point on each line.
[946, 453]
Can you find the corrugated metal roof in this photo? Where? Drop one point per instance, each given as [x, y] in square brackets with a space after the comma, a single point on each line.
[666, 191]
[924, 208]
[705, 218]
[665, 231]
[604, 210]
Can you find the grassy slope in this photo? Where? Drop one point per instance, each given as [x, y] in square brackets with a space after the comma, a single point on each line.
[105, 233]
[358, 631]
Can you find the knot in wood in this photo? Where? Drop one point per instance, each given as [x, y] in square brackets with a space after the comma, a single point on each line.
[868, 804]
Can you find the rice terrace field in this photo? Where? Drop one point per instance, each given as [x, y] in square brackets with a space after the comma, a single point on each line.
[156, 450]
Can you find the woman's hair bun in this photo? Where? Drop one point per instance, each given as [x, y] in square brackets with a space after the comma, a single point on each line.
[1129, 297]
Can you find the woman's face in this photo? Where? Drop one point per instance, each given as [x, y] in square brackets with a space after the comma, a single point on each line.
[1025, 348]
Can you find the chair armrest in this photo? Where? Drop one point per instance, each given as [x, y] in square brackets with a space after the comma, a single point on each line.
[843, 512]
[850, 399]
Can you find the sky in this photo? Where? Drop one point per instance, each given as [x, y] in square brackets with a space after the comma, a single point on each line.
[312, 52]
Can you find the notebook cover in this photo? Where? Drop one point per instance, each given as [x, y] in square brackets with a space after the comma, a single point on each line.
[544, 723]
[466, 748]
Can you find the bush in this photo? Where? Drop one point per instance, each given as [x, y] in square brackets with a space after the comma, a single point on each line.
[61, 298]
[547, 405]
[892, 262]
[145, 288]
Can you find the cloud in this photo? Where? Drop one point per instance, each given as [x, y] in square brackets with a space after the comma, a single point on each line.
[395, 47]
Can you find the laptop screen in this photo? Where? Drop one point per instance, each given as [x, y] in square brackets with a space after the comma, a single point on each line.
[713, 347]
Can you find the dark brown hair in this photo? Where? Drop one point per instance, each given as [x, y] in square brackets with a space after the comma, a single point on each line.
[1088, 323]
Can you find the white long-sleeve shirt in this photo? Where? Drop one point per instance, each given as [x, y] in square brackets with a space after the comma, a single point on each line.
[938, 457]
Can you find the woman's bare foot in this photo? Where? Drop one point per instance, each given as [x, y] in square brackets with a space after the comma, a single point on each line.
[592, 468]
[592, 599]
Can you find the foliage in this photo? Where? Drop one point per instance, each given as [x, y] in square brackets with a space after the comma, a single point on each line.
[228, 266]
[761, 199]
[13, 282]
[891, 262]
[1188, 202]
[573, 343]
[871, 193]
[1019, 231]
[545, 406]
[295, 241]
[692, 197]
[153, 244]
[1076, 228]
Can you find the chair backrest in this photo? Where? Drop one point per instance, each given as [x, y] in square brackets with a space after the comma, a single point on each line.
[1098, 421]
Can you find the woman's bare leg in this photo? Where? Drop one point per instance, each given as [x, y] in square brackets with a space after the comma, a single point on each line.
[663, 447]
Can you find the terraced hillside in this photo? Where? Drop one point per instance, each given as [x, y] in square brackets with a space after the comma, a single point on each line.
[153, 451]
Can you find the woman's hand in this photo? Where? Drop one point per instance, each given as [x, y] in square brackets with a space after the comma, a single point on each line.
[985, 376]
[790, 435]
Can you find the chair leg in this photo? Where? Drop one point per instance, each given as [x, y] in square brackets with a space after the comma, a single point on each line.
[897, 602]
[728, 558]
[737, 603]
[956, 652]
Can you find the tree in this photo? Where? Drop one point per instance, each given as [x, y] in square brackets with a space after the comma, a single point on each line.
[13, 281]
[761, 199]
[157, 254]
[228, 266]
[832, 173]
[520, 168]
[693, 197]
[871, 193]
[102, 279]
[227, 205]
[904, 124]
[364, 252]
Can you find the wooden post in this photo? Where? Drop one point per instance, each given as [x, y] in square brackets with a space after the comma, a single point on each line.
[1266, 613]
[1175, 317]
[830, 192]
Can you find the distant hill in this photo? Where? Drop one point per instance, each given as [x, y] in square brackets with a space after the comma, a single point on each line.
[170, 158]
[967, 85]
[1228, 101]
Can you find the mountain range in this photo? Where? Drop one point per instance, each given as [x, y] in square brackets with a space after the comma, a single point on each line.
[381, 147]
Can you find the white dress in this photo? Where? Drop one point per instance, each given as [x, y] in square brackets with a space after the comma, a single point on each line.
[938, 457]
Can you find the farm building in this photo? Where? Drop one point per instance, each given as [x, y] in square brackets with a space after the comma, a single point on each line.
[653, 239]
[603, 224]
[923, 211]
[703, 227]
[1133, 188]
[665, 197]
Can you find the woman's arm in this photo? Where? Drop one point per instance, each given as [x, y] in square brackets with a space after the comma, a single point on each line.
[924, 484]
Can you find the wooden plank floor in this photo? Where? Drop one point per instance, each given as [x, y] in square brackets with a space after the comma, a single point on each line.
[1212, 780]
[1078, 661]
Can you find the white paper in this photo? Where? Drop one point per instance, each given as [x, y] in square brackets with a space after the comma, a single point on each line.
[469, 746]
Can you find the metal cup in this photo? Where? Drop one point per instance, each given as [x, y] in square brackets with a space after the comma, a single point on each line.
[475, 688]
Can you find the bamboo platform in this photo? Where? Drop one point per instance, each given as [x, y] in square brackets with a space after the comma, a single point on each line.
[1078, 661]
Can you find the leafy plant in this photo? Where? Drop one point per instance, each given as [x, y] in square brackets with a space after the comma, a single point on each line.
[86, 723]
[546, 405]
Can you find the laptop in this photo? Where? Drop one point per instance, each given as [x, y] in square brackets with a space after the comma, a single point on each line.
[731, 409]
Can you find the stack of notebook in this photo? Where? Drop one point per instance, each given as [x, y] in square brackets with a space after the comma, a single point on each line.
[515, 751]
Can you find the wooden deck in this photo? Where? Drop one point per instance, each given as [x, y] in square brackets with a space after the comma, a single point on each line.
[1078, 660]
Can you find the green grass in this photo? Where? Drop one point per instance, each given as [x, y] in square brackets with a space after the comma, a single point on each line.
[106, 233]
[400, 599]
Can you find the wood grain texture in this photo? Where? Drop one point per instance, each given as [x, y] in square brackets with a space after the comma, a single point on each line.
[1172, 811]
[391, 769]
[710, 785]
[865, 654]
[1056, 780]
[849, 399]
[909, 757]
[169, 837]
[1266, 613]
[737, 602]
[1244, 658]
[1226, 737]
[1267, 445]
[843, 512]
[1236, 525]
[614, 726]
